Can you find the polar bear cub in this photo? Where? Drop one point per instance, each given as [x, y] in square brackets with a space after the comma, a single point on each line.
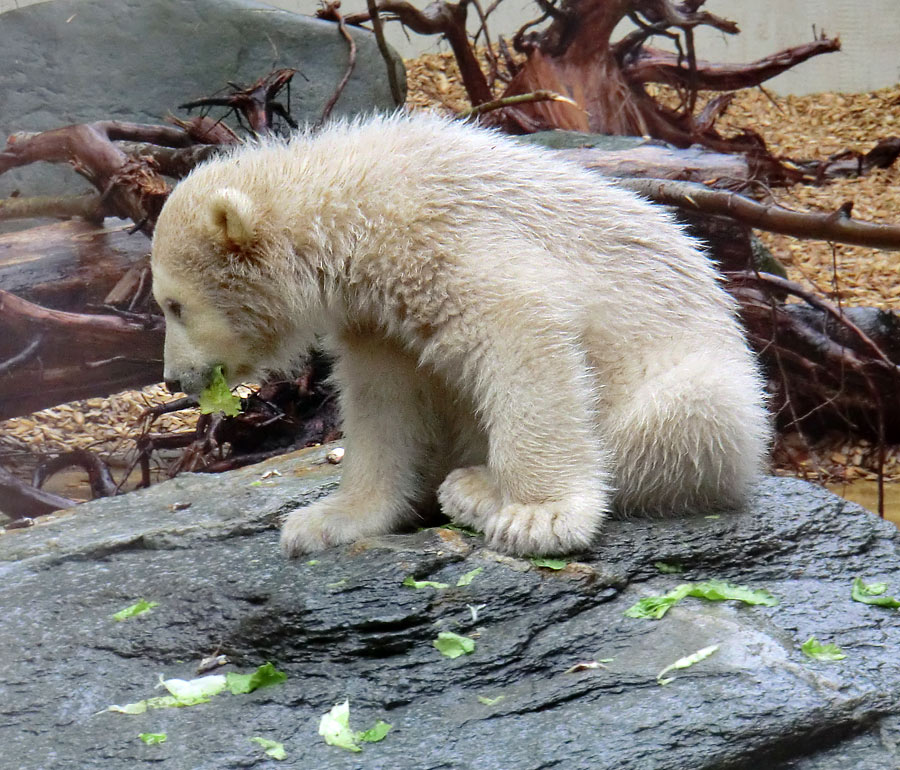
[514, 337]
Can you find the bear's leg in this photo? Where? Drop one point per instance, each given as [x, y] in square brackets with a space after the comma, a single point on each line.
[543, 490]
[690, 437]
[389, 428]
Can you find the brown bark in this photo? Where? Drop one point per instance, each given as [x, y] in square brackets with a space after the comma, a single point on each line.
[71, 355]
[131, 188]
[837, 226]
[825, 371]
[21, 501]
[439, 18]
[652, 65]
[68, 265]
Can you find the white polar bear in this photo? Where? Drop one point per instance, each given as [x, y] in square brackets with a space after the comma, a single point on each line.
[512, 334]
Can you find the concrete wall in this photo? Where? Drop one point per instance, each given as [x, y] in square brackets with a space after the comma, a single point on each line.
[869, 30]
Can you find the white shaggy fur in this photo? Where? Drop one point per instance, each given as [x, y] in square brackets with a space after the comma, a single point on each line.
[512, 333]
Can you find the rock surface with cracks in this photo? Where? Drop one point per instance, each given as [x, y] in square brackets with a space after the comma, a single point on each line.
[341, 625]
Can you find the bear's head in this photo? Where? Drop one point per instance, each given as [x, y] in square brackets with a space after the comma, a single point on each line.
[220, 263]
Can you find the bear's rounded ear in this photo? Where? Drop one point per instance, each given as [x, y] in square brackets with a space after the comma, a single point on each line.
[232, 219]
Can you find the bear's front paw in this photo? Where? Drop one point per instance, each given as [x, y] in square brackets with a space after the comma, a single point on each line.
[469, 496]
[555, 527]
[327, 523]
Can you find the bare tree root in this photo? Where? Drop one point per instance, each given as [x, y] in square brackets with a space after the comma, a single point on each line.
[101, 480]
[837, 226]
[23, 501]
[255, 103]
[826, 370]
[331, 11]
[66, 356]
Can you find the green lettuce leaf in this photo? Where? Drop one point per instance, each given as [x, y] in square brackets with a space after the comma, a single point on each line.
[273, 748]
[410, 582]
[555, 564]
[138, 608]
[151, 739]
[870, 593]
[264, 676]
[711, 590]
[686, 662]
[816, 651]
[469, 576]
[334, 727]
[375, 733]
[453, 645]
[217, 396]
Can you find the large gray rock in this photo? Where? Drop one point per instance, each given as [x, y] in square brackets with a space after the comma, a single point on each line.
[71, 61]
[343, 627]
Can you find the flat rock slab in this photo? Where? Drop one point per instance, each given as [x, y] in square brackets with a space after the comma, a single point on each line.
[73, 61]
[341, 626]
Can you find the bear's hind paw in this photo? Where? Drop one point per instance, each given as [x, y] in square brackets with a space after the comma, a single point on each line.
[469, 496]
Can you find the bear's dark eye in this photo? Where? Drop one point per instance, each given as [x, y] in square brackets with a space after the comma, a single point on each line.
[174, 308]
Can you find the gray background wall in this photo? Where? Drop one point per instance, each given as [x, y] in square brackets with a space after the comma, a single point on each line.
[869, 30]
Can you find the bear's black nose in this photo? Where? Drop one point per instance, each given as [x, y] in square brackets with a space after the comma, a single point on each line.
[174, 386]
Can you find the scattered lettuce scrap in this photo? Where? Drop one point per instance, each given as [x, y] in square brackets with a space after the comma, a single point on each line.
[151, 739]
[264, 676]
[192, 692]
[182, 693]
[273, 748]
[410, 582]
[871, 593]
[667, 568]
[818, 651]
[468, 577]
[555, 564]
[483, 699]
[584, 666]
[375, 733]
[217, 396]
[138, 608]
[334, 727]
[711, 590]
[686, 662]
[453, 645]
[464, 530]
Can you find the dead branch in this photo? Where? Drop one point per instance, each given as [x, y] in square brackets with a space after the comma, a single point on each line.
[837, 226]
[825, 369]
[129, 188]
[78, 356]
[439, 18]
[67, 265]
[256, 103]
[652, 65]
[331, 11]
[23, 501]
[87, 207]
[378, 29]
[512, 101]
[99, 476]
